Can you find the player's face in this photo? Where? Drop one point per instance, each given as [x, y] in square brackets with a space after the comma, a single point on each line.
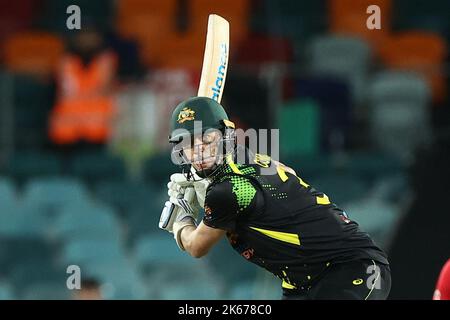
[203, 152]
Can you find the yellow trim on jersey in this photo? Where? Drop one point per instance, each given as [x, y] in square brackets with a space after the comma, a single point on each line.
[282, 236]
[303, 183]
[286, 285]
[323, 200]
[282, 173]
[233, 165]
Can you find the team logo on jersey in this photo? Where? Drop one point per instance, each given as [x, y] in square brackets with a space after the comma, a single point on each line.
[207, 210]
[185, 115]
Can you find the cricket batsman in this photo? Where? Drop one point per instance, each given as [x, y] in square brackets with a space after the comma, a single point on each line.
[276, 221]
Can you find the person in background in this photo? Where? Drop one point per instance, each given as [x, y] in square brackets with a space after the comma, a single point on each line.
[85, 85]
[90, 290]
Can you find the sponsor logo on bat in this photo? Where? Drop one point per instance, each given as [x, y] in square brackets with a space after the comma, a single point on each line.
[218, 84]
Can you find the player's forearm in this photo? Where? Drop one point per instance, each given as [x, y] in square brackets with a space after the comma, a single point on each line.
[191, 243]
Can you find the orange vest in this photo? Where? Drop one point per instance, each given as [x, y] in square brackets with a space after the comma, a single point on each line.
[85, 105]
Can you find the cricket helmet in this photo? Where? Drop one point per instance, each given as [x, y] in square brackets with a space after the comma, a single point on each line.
[211, 114]
[195, 116]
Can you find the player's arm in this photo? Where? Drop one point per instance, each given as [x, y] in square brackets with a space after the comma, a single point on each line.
[197, 241]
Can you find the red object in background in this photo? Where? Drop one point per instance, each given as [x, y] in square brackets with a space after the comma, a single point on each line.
[258, 50]
[442, 291]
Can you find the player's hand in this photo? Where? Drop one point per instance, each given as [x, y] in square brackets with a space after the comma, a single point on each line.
[177, 184]
[179, 208]
[200, 190]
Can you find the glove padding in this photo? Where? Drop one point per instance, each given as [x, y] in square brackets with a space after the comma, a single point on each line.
[178, 183]
[182, 214]
[178, 208]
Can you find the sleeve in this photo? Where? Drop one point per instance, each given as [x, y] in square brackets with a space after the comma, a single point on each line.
[226, 200]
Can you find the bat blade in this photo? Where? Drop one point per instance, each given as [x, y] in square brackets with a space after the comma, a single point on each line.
[215, 59]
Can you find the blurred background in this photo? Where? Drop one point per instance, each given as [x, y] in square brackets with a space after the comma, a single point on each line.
[364, 116]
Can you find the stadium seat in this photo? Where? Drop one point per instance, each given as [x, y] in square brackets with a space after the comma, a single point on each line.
[370, 165]
[120, 278]
[399, 86]
[242, 291]
[333, 95]
[420, 52]
[376, 217]
[349, 18]
[158, 168]
[87, 221]
[297, 20]
[32, 99]
[17, 221]
[47, 291]
[341, 188]
[160, 249]
[30, 164]
[94, 166]
[84, 251]
[416, 14]
[7, 192]
[342, 56]
[399, 109]
[35, 53]
[143, 220]
[52, 194]
[299, 124]
[124, 195]
[6, 292]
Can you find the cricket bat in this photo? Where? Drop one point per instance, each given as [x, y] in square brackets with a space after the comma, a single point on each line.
[212, 81]
[215, 59]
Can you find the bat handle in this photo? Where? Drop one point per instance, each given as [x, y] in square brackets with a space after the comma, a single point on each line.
[167, 212]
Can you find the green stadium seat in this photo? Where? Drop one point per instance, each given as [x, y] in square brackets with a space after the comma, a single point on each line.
[83, 252]
[6, 292]
[87, 221]
[50, 195]
[47, 291]
[124, 195]
[28, 164]
[376, 217]
[299, 123]
[7, 192]
[341, 187]
[33, 99]
[158, 168]
[242, 291]
[344, 57]
[95, 166]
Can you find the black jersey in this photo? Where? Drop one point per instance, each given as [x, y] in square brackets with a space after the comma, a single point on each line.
[281, 223]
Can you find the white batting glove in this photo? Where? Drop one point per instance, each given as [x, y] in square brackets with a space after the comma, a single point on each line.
[200, 186]
[200, 191]
[178, 208]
